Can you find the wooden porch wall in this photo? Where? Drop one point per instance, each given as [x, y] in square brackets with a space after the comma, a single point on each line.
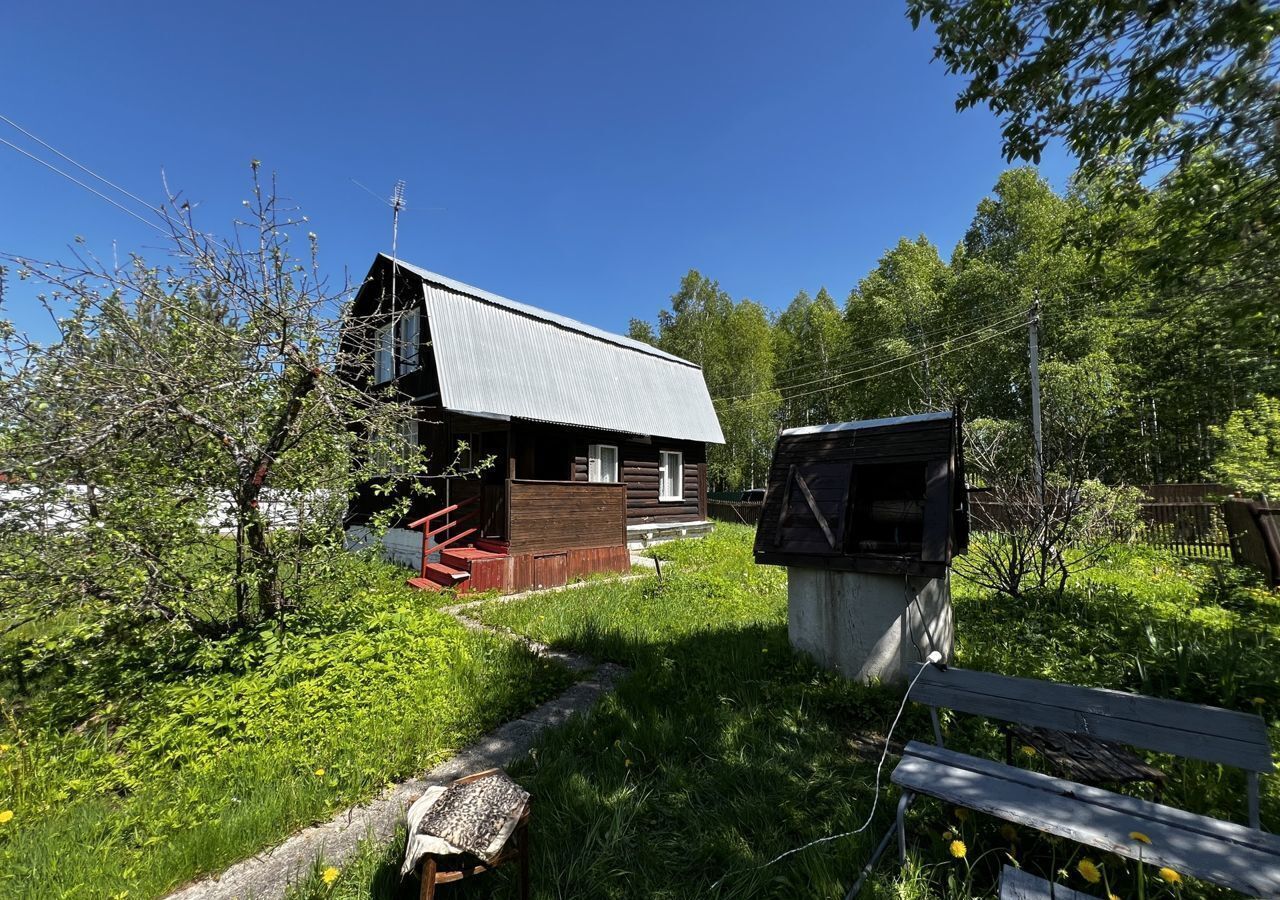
[564, 515]
[638, 469]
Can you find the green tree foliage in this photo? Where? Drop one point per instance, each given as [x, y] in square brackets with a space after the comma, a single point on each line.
[186, 434]
[1132, 371]
[733, 344]
[1182, 91]
[1250, 456]
[812, 337]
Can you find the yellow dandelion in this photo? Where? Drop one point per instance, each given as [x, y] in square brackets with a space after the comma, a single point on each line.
[1170, 876]
[1028, 750]
[329, 875]
[958, 849]
[948, 834]
[1008, 832]
[1089, 871]
[1258, 701]
[1139, 836]
[319, 773]
[6, 816]
[962, 814]
[1111, 896]
[4, 748]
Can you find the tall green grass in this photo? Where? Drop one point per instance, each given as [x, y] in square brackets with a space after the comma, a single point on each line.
[228, 750]
[723, 749]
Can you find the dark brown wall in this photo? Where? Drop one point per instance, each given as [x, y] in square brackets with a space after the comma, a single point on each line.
[562, 515]
[638, 465]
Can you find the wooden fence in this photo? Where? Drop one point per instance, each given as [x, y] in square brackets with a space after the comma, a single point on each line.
[1186, 519]
[734, 511]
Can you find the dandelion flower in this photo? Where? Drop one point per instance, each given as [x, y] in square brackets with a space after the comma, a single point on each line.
[1111, 896]
[628, 763]
[1258, 701]
[948, 834]
[4, 748]
[319, 773]
[1028, 750]
[1139, 836]
[958, 849]
[962, 814]
[1088, 870]
[1170, 876]
[6, 816]
[329, 875]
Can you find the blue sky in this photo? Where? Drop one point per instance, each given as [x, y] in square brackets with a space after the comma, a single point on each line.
[586, 154]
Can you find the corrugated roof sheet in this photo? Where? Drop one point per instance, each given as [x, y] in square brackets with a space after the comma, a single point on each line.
[500, 357]
[868, 423]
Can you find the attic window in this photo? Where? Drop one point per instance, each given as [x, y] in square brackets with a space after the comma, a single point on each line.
[410, 332]
[384, 354]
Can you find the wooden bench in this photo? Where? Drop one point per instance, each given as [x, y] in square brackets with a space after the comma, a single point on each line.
[1016, 884]
[1243, 858]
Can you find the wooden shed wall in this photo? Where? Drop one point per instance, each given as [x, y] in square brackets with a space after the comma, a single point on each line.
[638, 469]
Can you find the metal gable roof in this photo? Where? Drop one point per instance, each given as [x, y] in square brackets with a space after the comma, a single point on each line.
[500, 357]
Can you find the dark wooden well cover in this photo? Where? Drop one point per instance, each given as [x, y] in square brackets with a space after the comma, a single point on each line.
[882, 495]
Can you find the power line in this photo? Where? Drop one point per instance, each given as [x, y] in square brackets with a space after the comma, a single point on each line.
[921, 350]
[878, 364]
[852, 381]
[83, 168]
[848, 351]
[89, 188]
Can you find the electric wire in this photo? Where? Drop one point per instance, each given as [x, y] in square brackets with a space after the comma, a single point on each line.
[875, 799]
[1021, 314]
[880, 374]
[87, 187]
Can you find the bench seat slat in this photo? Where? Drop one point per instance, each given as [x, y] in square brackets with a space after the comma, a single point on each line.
[1220, 852]
[1167, 726]
[1016, 884]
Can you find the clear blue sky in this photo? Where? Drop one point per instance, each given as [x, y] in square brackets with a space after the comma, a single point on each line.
[587, 154]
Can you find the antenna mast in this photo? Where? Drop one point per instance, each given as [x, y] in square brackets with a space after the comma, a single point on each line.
[397, 204]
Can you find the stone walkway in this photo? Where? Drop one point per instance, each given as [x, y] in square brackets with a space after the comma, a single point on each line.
[268, 875]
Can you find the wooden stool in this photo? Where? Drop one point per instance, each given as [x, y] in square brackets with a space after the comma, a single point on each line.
[516, 848]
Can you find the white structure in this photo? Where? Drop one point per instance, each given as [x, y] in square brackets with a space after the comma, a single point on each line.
[868, 627]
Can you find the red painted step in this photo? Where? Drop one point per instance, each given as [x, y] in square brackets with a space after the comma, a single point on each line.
[462, 557]
[491, 545]
[424, 584]
[445, 575]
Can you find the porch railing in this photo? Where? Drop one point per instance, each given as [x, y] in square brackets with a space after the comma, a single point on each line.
[428, 531]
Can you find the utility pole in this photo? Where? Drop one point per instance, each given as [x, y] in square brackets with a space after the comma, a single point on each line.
[1033, 326]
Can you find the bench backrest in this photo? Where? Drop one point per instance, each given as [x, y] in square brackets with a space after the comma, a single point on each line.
[1165, 726]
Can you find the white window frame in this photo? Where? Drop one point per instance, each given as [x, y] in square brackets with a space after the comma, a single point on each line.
[664, 463]
[384, 354]
[595, 464]
[408, 339]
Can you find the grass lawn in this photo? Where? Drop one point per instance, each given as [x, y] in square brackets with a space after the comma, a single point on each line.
[723, 749]
[129, 781]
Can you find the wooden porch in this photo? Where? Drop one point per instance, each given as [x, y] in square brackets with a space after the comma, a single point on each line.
[528, 534]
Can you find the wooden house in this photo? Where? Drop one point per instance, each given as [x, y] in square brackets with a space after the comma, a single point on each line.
[598, 441]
